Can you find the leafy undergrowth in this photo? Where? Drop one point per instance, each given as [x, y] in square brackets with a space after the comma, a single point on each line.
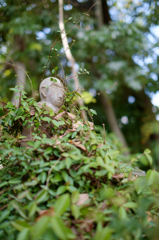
[69, 183]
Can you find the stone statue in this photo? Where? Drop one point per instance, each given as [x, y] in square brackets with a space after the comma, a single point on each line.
[52, 93]
[52, 96]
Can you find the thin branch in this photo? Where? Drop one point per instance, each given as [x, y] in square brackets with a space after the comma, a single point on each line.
[104, 132]
[50, 170]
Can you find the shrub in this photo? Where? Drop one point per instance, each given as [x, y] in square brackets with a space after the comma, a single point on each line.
[70, 183]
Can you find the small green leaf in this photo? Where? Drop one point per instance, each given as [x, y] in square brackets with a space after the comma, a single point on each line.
[140, 184]
[42, 196]
[68, 162]
[99, 160]
[23, 194]
[75, 211]
[55, 123]
[32, 209]
[75, 157]
[18, 208]
[43, 177]
[149, 158]
[40, 227]
[24, 234]
[20, 225]
[122, 213]
[3, 184]
[151, 177]
[93, 141]
[71, 189]
[61, 190]
[92, 134]
[112, 152]
[93, 111]
[62, 204]
[4, 215]
[109, 168]
[74, 135]
[53, 79]
[32, 183]
[147, 151]
[130, 205]
[76, 93]
[61, 230]
[47, 119]
[103, 234]
[75, 196]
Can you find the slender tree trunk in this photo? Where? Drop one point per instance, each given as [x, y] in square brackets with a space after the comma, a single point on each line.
[98, 11]
[19, 68]
[20, 81]
[103, 17]
[111, 118]
[70, 56]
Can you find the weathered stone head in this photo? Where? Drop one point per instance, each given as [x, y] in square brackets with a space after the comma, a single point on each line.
[52, 93]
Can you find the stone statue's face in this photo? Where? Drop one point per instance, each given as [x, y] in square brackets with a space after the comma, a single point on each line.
[55, 94]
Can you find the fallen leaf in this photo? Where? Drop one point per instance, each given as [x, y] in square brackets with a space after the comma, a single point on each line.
[119, 175]
[149, 216]
[90, 124]
[87, 225]
[67, 131]
[100, 145]
[83, 197]
[75, 125]
[3, 104]
[103, 207]
[71, 116]
[58, 116]
[32, 111]
[49, 212]
[57, 142]
[79, 145]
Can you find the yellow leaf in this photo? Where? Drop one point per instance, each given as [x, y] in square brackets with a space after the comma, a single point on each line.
[87, 97]
[35, 46]
[7, 72]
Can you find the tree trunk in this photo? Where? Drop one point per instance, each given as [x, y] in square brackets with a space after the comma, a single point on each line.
[19, 68]
[111, 118]
[20, 81]
[70, 56]
[103, 17]
[99, 16]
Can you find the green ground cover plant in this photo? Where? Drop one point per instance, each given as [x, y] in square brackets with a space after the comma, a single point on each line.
[70, 182]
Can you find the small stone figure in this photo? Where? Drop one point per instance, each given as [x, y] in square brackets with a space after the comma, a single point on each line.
[52, 96]
[52, 93]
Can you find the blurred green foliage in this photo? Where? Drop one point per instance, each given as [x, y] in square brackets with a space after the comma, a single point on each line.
[78, 186]
[124, 52]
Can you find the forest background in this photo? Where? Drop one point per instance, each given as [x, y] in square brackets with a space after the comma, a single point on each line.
[116, 41]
